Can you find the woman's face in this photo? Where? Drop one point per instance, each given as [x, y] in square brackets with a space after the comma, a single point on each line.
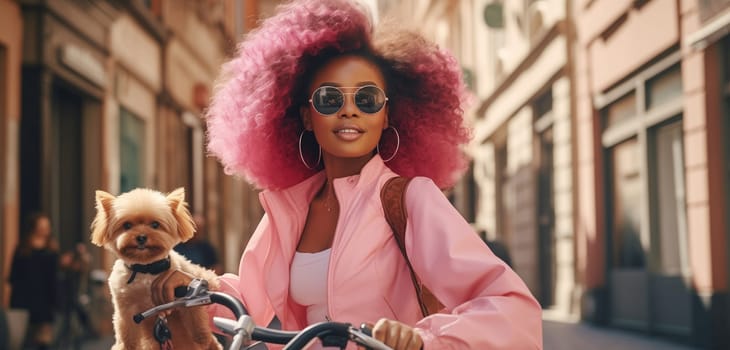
[349, 132]
[41, 234]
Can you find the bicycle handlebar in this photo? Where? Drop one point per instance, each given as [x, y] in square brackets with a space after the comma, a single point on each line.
[245, 332]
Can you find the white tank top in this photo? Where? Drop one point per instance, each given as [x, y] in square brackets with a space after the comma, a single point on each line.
[308, 283]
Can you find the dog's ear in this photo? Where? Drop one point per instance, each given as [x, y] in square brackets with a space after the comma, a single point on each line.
[185, 224]
[104, 202]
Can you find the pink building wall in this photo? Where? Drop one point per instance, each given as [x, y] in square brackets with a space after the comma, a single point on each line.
[615, 40]
[705, 182]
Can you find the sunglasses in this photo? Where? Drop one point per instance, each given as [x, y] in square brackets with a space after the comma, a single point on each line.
[328, 100]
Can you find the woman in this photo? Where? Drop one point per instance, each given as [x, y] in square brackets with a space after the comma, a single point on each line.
[319, 112]
[33, 278]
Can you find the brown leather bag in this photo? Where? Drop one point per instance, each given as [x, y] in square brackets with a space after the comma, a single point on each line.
[393, 198]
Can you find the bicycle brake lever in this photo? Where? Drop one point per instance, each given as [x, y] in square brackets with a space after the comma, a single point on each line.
[197, 286]
[359, 336]
[197, 295]
[159, 308]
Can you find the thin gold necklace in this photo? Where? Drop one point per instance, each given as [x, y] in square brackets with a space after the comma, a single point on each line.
[328, 199]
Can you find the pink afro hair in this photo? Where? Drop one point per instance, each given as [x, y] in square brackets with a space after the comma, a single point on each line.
[253, 119]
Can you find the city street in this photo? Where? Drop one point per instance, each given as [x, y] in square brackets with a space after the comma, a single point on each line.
[586, 143]
[565, 334]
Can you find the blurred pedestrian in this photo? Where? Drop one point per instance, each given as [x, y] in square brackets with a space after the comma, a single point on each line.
[198, 249]
[74, 288]
[33, 279]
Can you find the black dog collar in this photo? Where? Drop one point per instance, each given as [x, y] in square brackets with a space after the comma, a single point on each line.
[154, 268]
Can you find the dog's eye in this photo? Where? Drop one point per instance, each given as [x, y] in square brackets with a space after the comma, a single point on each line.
[127, 225]
[155, 225]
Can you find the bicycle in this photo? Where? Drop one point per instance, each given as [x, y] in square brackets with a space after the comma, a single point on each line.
[245, 332]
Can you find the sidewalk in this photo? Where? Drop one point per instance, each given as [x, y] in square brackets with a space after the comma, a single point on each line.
[103, 343]
[562, 334]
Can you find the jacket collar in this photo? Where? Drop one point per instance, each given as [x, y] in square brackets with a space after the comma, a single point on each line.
[369, 173]
[301, 194]
[286, 210]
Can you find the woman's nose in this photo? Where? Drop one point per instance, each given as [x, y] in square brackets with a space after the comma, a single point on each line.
[349, 109]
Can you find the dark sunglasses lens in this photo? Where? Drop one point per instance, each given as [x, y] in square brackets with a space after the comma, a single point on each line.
[327, 100]
[370, 99]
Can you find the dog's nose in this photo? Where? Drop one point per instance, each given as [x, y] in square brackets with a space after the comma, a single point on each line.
[141, 239]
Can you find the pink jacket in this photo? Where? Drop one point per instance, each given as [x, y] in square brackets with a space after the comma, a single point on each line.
[487, 304]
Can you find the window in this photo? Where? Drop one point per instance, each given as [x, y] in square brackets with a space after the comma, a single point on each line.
[621, 110]
[645, 198]
[192, 139]
[625, 189]
[132, 150]
[668, 169]
[664, 88]
[642, 139]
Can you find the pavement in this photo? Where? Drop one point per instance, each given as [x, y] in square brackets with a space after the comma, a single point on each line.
[102, 343]
[564, 333]
[559, 333]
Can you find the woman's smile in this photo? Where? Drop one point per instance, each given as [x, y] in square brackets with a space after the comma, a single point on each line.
[349, 133]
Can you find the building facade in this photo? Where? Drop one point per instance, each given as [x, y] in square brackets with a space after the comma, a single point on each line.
[520, 190]
[65, 79]
[601, 153]
[653, 166]
[110, 95]
[600, 157]
[523, 144]
[11, 53]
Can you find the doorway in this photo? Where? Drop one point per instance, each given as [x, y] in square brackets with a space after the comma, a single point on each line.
[67, 158]
[648, 271]
[545, 218]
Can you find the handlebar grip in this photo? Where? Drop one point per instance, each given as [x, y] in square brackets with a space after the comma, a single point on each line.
[181, 291]
[230, 302]
[317, 330]
[272, 336]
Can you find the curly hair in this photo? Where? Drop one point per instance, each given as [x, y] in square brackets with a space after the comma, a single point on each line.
[253, 119]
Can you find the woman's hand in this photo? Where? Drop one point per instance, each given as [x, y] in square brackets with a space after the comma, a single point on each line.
[397, 335]
[163, 287]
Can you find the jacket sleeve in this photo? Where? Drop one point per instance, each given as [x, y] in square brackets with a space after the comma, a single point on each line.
[247, 285]
[487, 305]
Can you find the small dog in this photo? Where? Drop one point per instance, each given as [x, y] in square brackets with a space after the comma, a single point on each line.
[141, 227]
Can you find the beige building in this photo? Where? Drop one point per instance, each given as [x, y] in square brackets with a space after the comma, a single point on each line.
[64, 79]
[601, 152]
[515, 59]
[523, 146]
[110, 95]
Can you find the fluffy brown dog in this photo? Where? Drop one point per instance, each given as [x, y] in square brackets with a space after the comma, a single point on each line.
[141, 227]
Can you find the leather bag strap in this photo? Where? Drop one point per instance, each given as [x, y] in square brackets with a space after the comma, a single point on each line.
[393, 200]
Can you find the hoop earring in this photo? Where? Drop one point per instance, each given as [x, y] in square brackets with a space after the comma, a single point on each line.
[397, 144]
[301, 155]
